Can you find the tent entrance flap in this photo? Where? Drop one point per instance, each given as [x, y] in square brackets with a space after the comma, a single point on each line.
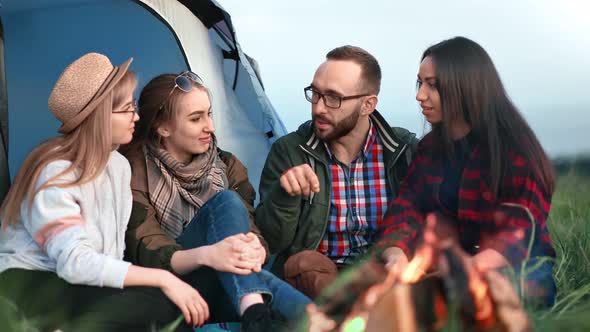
[4, 173]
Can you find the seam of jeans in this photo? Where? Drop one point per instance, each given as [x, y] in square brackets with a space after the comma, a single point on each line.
[241, 291]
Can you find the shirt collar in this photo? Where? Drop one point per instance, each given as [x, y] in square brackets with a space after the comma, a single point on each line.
[369, 140]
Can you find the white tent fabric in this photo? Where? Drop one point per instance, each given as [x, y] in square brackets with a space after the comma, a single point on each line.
[235, 131]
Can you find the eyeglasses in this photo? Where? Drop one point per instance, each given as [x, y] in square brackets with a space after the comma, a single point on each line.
[130, 108]
[330, 100]
[183, 82]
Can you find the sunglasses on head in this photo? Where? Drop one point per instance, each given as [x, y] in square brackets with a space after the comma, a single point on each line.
[184, 83]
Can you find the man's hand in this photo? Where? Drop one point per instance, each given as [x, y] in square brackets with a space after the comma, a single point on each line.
[300, 180]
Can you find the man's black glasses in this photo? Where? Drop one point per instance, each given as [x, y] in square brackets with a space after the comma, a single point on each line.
[330, 100]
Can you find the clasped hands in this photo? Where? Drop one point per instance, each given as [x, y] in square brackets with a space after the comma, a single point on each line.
[240, 254]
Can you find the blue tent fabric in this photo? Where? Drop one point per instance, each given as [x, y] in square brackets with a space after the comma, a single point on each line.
[38, 48]
[42, 37]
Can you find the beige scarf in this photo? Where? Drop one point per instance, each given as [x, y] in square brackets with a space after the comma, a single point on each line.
[178, 191]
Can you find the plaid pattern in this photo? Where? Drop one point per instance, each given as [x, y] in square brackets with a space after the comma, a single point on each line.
[358, 201]
[178, 191]
[504, 224]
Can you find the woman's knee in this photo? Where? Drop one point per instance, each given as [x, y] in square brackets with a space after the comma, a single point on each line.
[223, 215]
[227, 199]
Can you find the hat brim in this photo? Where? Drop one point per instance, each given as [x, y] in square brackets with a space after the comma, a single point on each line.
[114, 77]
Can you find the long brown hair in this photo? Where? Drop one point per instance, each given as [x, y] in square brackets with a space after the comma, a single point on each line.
[470, 87]
[87, 147]
[157, 102]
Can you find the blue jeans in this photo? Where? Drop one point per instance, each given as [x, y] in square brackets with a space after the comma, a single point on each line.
[541, 288]
[225, 215]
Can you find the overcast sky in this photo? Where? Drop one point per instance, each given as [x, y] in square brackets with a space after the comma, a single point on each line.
[540, 47]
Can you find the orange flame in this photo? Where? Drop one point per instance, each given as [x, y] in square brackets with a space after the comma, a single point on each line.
[417, 267]
[425, 255]
[440, 308]
[484, 308]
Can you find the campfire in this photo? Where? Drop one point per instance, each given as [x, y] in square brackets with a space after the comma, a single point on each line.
[430, 301]
[439, 288]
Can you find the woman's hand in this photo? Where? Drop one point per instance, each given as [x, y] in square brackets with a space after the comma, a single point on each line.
[232, 255]
[254, 252]
[193, 307]
[509, 309]
[395, 261]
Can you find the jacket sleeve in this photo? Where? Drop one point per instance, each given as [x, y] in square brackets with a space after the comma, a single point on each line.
[237, 175]
[277, 214]
[57, 225]
[403, 220]
[520, 219]
[146, 243]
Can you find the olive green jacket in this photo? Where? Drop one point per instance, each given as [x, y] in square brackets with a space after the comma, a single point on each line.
[292, 224]
[146, 243]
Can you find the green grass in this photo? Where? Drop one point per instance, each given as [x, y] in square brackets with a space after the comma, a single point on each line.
[569, 225]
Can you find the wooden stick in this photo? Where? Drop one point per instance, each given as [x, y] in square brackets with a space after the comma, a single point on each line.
[394, 311]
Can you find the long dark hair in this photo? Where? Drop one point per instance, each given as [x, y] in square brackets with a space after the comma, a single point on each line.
[470, 87]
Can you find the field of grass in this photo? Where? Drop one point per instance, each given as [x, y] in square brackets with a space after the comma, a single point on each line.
[569, 224]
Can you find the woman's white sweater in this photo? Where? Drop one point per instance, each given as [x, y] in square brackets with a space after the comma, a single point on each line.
[77, 232]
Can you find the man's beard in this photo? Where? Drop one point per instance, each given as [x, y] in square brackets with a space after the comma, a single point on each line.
[341, 129]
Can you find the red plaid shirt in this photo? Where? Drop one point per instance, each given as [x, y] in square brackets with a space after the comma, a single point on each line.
[505, 223]
[358, 201]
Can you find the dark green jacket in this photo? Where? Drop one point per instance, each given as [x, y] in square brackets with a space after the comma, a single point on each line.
[291, 224]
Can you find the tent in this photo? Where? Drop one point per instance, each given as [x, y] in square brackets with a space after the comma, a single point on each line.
[39, 38]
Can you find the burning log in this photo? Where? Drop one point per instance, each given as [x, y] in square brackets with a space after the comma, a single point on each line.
[510, 314]
[465, 284]
[440, 285]
[365, 285]
[392, 312]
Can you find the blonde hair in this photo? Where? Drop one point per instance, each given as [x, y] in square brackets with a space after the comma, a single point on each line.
[87, 147]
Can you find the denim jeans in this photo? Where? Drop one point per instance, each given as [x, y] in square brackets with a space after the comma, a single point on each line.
[225, 215]
[541, 289]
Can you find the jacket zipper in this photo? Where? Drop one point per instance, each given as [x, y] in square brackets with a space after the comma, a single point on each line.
[312, 155]
[402, 151]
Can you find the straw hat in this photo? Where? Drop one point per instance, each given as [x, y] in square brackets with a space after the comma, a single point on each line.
[81, 87]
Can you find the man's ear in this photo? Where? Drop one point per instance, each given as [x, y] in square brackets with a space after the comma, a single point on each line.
[369, 104]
